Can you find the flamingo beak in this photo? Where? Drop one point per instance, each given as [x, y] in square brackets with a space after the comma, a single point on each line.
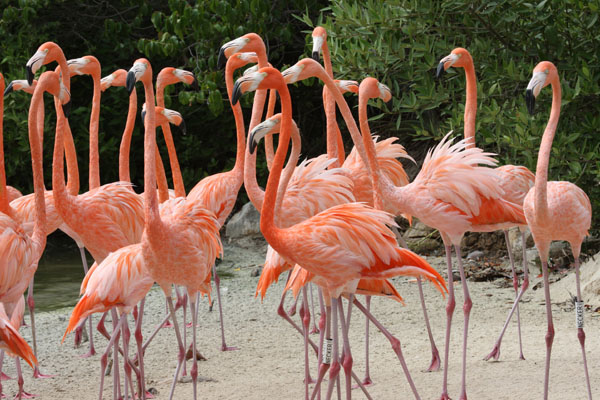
[222, 60]
[130, 81]
[530, 101]
[237, 92]
[440, 70]
[67, 108]
[182, 127]
[8, 89]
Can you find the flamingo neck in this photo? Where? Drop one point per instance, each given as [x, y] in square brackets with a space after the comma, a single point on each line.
[289, 169]
[94, 169]
[541, 171]
[240, 132]
[168, 136]
[39, 228]
[151, 215]
[335, 143]
[267, 218]
[70, 155]
[470, 104]
[269, 149]
[124, 174]
[260, 95]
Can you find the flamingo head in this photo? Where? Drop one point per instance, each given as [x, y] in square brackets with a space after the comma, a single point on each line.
[51, 82]
[21, 84]
[459, 57]
[240, 60]
[169, 76]
[303, 69]
[269, 126]
[373, 89]
[87, 65]
[166, 115]
[246, 43]
[543, 74]
[319, 36]
[45, 54]
[140, 70]
[347, 86]
[117, 78]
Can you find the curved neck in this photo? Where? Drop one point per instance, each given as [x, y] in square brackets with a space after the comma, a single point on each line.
[267, 214]
[541, 171]
[289, 169]
[39, 228]
[240, 132]
[173, 161]
[124, 174]
[94, 169]
[269, 149]
[260, 95]
[71, 156]
[152, 220]
[3, 195]
[335, 143]
[470, 105]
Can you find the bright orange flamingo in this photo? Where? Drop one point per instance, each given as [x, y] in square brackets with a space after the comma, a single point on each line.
[20, 251]
[555, 210]
[471, 202]
[181, 243]
[515, 180]
[340, 245]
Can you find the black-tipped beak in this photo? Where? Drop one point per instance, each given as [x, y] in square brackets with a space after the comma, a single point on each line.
[252, 143]
[237, 93]
[8, 89]
[144, 117]
[315, 56]
[440, 70]
[130, 82]
[30, 75]
[195, 85]
[222, 60]
[67, 108]
[182, 126]
[530, 101]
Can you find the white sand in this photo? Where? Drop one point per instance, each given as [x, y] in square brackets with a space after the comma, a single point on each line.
[269, 364]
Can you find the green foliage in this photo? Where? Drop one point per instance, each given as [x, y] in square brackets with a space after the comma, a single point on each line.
[401, 43]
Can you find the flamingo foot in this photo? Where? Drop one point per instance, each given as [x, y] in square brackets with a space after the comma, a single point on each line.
[521, 357]
[495, 353]
[38, 374]
[445, 396]
[25, 395]
[90, 353]
[189, 325]
[311, 380]
[149, 395]
[4, 377]
[229, 348]
[315, 329]
[367, 381]
[167, 324]
[435, 361]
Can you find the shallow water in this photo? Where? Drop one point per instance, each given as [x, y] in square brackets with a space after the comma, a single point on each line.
[58, 277]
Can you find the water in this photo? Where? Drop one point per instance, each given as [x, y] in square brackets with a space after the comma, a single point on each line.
[59, 275]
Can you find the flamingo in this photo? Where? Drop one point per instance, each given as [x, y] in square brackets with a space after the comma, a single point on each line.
[340, 245]
[515, 181]
[21, 252]
[555, 210]
[180, 246]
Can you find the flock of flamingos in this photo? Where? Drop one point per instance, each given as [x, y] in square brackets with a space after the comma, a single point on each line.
[329, 220]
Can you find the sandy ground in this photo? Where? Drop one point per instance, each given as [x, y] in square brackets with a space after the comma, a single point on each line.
[269, 363]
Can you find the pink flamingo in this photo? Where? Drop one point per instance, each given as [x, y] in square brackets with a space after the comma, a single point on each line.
[555, 210]
[181, 243]
[340, 245]
[22, 252]
[515, 181]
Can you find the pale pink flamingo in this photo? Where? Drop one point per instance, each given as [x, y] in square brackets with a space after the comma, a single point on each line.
[21, 252]
[181, 243]
[515, 181]
[340, 245]
[452, 194]
[555, 210]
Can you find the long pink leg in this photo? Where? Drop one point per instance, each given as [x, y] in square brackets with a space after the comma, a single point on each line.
[91, 350]
[468, 304]
[2, 375]
[305, 315]
[495, 353]
[31, 305]
[367, 379]
[292, 310]
[184, 326]
[580, 332]
[396, 346]
[22, 394]
[334, 370]
[449, 312]
[140, 349]
[347, 356]
[323, 363]
[314, 328]
[194, 371]
[224, 346]
[104, 357]
[126, 366]
[281, 312]
[181, 355]
[116, 374]
[550, 332]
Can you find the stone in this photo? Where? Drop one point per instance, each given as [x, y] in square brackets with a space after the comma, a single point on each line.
[475, 255]
[559, 249]
[255, 272]
[422, 239]
[244, 223]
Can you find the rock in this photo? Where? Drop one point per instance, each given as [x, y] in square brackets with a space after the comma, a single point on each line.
[245, 222]
[475, 255]
[559, 249]
[255, 272]
[422, 239]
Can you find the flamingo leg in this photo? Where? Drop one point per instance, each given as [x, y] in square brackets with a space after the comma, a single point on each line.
[1, 373]
[449, 312]
[292, 310]
[367, 379]
[224, 346]
[281, 312]
[580, 332]
[305, 314]
[194, 370]
[104, 357]
[31, 305]
[184, 328]
[140, 350]
[91, 350]
[550, 332]
[396, 346]
[347, 356]
[21, 394]
[324, 362]
[495, 353]
[435, 354]
[181, 355]
[116, 374]
[314, 328]
[335, 357]
[126, 366]
[468, 304]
